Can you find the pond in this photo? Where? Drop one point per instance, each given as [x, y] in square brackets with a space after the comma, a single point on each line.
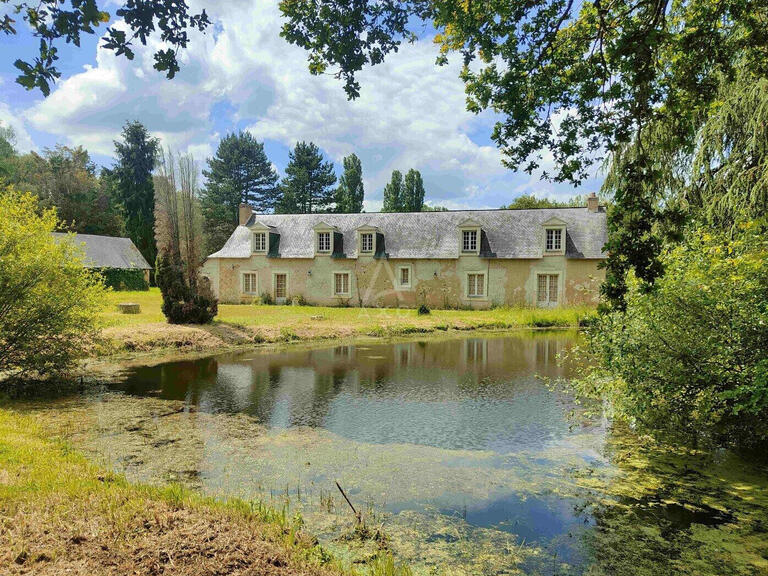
[462, 453]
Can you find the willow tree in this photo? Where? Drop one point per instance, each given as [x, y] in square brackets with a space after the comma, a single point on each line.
[587, 82]
[729, 180]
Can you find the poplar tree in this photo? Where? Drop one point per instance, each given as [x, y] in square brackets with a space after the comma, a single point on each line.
[350, 193]
[393, 193]
[413, 193]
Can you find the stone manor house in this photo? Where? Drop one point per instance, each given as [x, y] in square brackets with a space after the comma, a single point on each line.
[464, 258]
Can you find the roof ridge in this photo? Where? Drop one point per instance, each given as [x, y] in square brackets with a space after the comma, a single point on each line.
[260, 214]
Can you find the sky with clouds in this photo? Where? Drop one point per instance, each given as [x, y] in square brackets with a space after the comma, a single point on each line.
[241, 75]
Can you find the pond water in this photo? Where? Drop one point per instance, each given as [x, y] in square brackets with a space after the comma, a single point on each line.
[459, 450]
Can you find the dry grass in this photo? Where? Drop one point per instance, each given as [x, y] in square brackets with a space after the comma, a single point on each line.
[60, 514]
[241, 325]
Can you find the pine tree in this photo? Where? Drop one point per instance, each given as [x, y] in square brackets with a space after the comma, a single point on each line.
[308, 183]
[136, 157]
[393, 193]
[240, 172]
[350, 193]
[413, 196]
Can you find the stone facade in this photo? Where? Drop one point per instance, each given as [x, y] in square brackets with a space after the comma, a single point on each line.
[509, 264]
[436, 283]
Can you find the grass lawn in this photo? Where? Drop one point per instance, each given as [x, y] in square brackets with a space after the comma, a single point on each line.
[238, 325]
[61, 514]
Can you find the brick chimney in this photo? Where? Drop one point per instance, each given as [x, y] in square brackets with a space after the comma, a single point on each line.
[593, 204]
[244, 214]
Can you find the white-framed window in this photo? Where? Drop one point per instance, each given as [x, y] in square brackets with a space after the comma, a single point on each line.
[250, 283]
[366, 242]
[469, 241]
[259, 241]
[554, 242]
[341, 284]
[280, 285]
[404, 276]
[547, 291]
[476, 285]
[323, 241]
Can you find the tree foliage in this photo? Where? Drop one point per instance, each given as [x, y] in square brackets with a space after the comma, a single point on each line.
[729, 180]
[431, 208]
[186, 300]
[308, 183]
[351, 192]
[54, 20]
[136, 156]
[182, 305]
[7, 150]
[393, 193]
[48, 300]
[691, 354]
[413, 191]
[404, 194]
[66, 178]
[630, 81]
[240, 172]
[529, 201]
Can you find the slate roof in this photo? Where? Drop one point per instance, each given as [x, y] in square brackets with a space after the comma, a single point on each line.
[109, 251]
[510, 233]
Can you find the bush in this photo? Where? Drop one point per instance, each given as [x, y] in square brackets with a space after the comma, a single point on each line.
[423, 310]
[266, 299]
[182, 304]
[119, 279]
[48, 300]
[691, 354]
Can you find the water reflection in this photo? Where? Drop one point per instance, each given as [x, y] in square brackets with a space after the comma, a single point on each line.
[474, 393]
[471, 462]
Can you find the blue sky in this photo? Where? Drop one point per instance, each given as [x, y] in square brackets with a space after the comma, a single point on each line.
[243, 76]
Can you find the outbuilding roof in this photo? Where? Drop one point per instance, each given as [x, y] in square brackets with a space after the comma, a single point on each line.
[108, 251]
[513, 234]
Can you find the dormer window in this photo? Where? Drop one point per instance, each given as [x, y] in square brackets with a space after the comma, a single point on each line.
[328, 240]
[554, 240]
[264, 239]
[323, 242]
[259, 241]
[469, 241]
[369, 240]
[470, 233]
[366, 242]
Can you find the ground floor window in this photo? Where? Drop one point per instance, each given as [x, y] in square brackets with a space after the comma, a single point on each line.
[547, 292]
[280, 286]
[341, 283]
[476, 285]
[404, 276]
[250, 283]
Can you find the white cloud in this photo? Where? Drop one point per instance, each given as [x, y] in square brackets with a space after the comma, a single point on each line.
[411, 113]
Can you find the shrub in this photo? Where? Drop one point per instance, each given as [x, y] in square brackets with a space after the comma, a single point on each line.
[423, 310]
[119, 279]
[288, 335]
[181, 303]
[690, 355]
[266, 299]
[48, 300]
